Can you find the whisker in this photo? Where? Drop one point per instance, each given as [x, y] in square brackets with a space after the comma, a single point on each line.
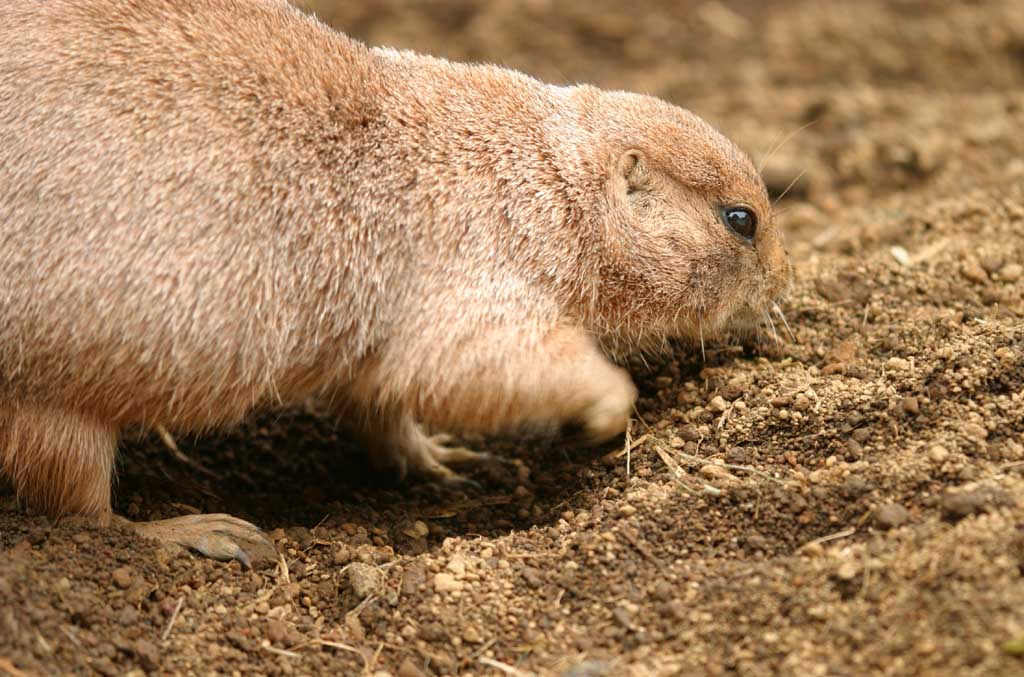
[778, 146]
[791, 184]
[764, 160]
[782, 316]
[700, 330]
[771, 324]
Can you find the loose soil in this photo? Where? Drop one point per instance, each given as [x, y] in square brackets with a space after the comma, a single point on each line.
[847, 501]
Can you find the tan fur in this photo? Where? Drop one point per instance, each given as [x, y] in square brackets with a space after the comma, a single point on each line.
[209, 206]
[62, 460]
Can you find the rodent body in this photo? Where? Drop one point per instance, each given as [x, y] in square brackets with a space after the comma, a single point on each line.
[212, 206]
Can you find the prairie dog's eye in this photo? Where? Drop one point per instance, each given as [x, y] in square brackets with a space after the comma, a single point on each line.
[740, 220]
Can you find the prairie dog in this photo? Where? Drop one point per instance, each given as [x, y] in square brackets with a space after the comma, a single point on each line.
[210, 206]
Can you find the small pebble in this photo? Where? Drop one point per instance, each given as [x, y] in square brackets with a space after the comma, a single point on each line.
[848, 570]
[417, 529]
[590, 668]
[957, 505]
[343, 555]
[457, 566]
[938, 453]
[690, 433]
[663, 591]
[714, 471]
[365, 580]
[973, 271]
[891, 515]
[444, 582]
[993, 264]
[623, 616]
[910, 406]
[718, 404]
[975, 430]
[148, 654]
[813, 549]
[277, 632]
[409, 669]
[900, 254]
[1012, 272]
[471, 634]
[897, 364]
[532, 577]
[301, 535]
[122, 577]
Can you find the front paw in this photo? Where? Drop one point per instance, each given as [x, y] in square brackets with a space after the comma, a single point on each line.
[609, 413]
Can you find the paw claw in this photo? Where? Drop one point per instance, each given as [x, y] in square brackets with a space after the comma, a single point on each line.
[456, 482]
[411, 450]
[217, 536]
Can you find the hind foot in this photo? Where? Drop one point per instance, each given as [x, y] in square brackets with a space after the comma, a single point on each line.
[217, 536]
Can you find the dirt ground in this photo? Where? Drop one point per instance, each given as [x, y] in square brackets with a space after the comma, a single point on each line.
[846, 502]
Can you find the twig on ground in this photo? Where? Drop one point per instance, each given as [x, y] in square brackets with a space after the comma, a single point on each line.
[698, 461]
[487, 645]
[831, 537]
[503, 667]
[373, 659]
[674, 468]
[633, 445]
[867, 574]
[346, 647]
[628, 446]
[283, 577]
[174, 617]
[180, 455]
[730, 466]
[282, 652]
[71, 636]
[358, 609]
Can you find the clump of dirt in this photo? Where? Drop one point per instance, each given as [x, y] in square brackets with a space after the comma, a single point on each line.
[846, 501]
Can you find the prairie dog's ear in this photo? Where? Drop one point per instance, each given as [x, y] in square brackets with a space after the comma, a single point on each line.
[630, 172]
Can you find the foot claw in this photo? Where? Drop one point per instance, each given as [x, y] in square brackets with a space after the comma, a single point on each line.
[217, 536]
[217, 546]
[456, 482]
[462, 456]
[408, 449]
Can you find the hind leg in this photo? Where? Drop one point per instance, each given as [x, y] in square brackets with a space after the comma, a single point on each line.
[61, 462]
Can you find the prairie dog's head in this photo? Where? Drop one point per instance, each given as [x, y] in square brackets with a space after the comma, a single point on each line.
[688, 241]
